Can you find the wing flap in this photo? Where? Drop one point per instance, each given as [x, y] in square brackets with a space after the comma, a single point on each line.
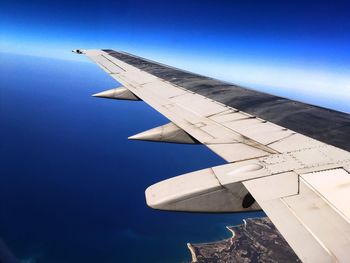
[233, 152]
[314, 205]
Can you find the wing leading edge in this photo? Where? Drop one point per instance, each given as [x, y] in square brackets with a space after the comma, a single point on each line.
[292, 158]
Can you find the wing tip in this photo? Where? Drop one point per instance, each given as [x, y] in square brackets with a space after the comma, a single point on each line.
[79, 51]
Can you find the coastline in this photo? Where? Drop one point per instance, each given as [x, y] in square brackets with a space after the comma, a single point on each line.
[255, 240]
[193, 253]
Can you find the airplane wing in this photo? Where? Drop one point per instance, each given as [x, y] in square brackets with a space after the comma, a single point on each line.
[288, 158]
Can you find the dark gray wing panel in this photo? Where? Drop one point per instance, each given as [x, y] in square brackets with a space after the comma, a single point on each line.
[328, 126]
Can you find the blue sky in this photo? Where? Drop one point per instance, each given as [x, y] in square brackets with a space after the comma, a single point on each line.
[298, 49]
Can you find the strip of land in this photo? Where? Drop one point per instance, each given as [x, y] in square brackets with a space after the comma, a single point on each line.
[256, 240]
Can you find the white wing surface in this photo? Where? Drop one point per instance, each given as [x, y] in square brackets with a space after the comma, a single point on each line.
[288, 158]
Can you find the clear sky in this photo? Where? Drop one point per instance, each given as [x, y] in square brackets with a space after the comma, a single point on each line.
[298, 49]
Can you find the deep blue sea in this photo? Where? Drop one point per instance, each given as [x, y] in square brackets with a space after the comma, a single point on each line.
[72, 185]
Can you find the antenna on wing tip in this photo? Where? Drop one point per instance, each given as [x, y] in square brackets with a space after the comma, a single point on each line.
[79, 51]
